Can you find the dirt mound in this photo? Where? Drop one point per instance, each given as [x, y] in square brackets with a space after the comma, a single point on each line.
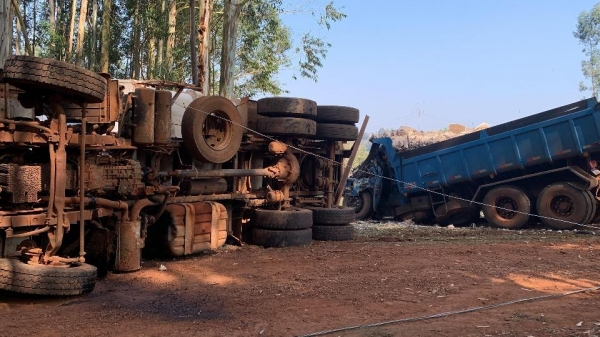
[407, 138]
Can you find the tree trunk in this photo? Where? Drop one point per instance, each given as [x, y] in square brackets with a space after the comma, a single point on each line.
[51, 14]
[81, 32]
[161, 41]
[135, 57]
[231, 14]
[94, 42]
[193, 50]
[5, 31]
[171, 37]
[206, 9]
[151, 56]
[105, 44]
[71, 30]
[22, 27]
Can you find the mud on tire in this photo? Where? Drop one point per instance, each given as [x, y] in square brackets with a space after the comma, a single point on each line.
[25, 278]
[29, 72]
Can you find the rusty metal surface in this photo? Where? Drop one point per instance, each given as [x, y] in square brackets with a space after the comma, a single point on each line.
[22, 182]
[162, 122]
[143, 133]
[129, 249]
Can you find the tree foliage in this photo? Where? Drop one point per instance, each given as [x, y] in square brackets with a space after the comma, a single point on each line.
[588, 34]
[153, 39]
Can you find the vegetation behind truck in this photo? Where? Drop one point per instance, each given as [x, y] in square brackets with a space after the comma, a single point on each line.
[93, 171]
[544, 164]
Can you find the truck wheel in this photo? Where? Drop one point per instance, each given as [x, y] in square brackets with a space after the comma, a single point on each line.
[457, 213]
[211, 129]
[281, 238]
[295, 218]
[332, 216]
[39, 279]
[28, 72]
[362, 204]
[507, 207]
[287, 107]
[286, 126]
[562, 206]
[333, 233]
[592, 206]
[337, 114]
[336, 132]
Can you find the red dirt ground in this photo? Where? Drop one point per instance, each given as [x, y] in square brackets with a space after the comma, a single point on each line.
[390, 272]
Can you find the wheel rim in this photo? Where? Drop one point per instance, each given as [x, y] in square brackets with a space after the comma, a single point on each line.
[506, 207]
[356, 203]
[217, 130]
[562, 206]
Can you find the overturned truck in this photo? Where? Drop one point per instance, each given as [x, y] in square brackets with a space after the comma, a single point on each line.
[95, 172]
[540, 168]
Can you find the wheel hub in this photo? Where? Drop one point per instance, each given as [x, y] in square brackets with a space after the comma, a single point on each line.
[562, 205]
[506, 207]
[216, 131]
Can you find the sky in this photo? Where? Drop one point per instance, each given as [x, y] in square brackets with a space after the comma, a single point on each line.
[429, 63]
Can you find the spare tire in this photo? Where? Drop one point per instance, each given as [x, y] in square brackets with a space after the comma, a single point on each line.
[295, 218]
[286, 126]
[336, 132]
[29, 72]
[337, 114]
[287, 107]
[38, 279]
[211, 129]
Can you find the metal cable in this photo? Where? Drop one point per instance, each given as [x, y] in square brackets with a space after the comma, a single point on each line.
[449, 313]
[388, 178]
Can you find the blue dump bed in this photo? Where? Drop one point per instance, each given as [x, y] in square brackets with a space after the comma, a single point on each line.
[546, 137]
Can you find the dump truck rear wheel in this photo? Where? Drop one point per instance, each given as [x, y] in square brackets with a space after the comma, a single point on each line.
[362, 204]
[281, 238]
[336, 132]
[287, 107]
[211, 129]
[29, 72]
[337, 114]
[38, 279]
[562, 206]
[333, 233]
[286, 126]
[286, 219]
[507, 207]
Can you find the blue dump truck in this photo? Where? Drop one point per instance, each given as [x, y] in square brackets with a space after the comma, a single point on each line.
[540, 168]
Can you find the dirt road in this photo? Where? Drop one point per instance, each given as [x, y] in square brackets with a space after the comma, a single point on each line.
[390, 272]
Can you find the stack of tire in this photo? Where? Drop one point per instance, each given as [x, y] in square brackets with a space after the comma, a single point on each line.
[336, 123]
[333, 224]
[282, 228]
[287, 116]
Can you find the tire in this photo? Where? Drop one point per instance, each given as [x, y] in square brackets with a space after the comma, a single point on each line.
[592, 206]
[337, 114]
[281, 238]
[286, 126]
[336, 132]
[20, 277]
[332, 216]
[296, 218]
[423, 217]
[287, 107]
[363, 204]
[29, 72]
[562, 206]
[457, 213]
[500, 204]
[212, 147]
[333, 233]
